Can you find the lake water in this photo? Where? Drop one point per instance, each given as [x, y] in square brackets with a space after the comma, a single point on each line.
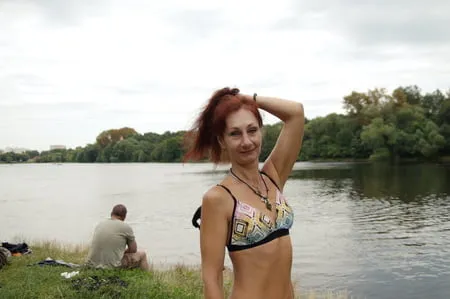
[375, 230]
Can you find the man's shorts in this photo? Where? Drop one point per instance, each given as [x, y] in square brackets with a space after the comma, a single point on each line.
[130, 260]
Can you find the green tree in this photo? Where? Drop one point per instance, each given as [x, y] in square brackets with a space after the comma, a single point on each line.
[416, 135]
[432, 103]
[114, 135]
[380, 138]
[270, 136]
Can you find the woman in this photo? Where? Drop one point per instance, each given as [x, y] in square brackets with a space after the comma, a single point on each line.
[247, 212]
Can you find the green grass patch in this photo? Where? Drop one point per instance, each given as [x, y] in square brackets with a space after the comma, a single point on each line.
[22, 278]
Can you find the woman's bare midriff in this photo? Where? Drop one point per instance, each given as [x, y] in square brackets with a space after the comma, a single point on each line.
[263, 272]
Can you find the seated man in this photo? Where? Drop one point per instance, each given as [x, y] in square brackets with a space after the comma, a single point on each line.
[113, 244]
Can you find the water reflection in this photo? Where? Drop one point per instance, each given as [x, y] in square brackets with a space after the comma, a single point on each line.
[399, 223]
[408, 182]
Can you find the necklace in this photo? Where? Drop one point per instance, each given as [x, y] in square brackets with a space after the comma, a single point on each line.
[264, 199]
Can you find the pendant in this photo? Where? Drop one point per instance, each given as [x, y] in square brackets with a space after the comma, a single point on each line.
[268, 204]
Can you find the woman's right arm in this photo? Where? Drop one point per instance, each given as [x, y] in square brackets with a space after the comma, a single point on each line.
[213, 238]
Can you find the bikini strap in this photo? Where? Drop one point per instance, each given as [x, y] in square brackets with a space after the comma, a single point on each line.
[232, 215]
[228, 190]
[273, 181]
[198, 213]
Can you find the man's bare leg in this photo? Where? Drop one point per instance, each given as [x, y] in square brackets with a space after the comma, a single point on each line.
[135, 260]
[143, 262]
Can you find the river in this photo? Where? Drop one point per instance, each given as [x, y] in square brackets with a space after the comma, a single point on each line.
[372, 230]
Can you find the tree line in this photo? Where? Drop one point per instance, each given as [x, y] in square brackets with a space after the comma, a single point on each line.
[377, 125]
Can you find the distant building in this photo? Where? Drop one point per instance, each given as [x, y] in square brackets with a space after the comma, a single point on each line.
[55, 147]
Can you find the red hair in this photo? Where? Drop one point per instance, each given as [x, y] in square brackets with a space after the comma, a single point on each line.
[202, 140]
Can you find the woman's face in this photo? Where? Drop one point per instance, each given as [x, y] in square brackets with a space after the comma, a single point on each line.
[242, 137]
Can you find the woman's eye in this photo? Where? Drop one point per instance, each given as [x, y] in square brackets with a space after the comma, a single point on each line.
[252, 130]
[235, 133]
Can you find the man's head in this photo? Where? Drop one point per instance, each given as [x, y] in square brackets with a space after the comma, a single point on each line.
[119, 212]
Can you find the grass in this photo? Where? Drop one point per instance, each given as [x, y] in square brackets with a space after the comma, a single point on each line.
[23, 279]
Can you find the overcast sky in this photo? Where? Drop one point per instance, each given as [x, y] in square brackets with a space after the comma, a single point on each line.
[70, 69]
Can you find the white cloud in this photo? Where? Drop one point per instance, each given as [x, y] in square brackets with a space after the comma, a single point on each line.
[69, 71]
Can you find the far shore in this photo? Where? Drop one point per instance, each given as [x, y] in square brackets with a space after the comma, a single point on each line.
[441, 159]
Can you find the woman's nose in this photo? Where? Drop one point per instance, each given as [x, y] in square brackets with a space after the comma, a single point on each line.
[246, 139]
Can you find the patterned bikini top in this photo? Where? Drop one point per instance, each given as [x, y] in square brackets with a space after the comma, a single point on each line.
[250, 227]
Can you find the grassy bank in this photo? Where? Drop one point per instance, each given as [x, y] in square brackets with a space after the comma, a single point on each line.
[22, 278]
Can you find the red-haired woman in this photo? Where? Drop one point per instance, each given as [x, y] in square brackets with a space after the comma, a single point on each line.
[247, 212]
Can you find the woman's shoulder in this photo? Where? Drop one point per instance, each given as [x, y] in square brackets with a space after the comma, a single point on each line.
[218, 199]
[216, 195]
[214, 201]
